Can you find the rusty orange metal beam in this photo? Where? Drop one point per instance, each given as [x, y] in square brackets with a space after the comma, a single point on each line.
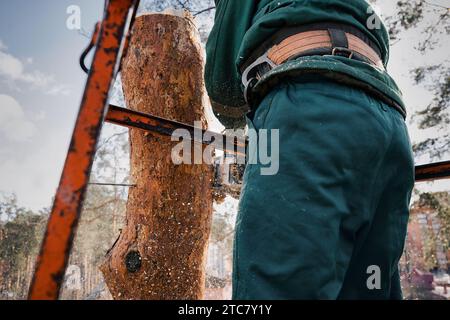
[61, 227]
[433, 171]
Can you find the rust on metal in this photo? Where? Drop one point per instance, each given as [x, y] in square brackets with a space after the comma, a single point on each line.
[138, 120]
[433, 171]
[57, 243]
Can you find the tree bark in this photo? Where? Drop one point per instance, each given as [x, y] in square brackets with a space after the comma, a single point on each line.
[161, 251]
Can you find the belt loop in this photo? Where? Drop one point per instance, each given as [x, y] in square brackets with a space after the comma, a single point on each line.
[338, 38]
[250, 76]
[339, 42]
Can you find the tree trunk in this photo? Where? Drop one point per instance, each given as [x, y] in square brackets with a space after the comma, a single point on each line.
[161, 251]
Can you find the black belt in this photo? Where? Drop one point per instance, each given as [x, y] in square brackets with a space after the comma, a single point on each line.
[259, 63]
[289, 31]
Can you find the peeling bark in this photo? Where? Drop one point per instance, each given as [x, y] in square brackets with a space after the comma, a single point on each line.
[161, 251]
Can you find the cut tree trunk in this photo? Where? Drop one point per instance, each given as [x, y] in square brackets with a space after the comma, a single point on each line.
[161, 251]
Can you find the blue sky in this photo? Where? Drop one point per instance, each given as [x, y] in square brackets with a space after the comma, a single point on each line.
[41, 85]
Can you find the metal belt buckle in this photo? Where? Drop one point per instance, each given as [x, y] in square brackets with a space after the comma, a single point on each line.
[342, 52]
[249, 82]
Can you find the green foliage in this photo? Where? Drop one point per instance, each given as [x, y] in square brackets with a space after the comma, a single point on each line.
[409, 14]
[20, 234]
[431, 21]
[435, 113]
[101, 218]
[429, 249]
[440, 203]
[429, 200]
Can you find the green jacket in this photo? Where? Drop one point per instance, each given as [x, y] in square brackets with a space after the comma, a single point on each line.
[243, 25]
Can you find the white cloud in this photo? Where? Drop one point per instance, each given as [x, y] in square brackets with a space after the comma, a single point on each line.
[59, 89]
[34, 177]
[13, 70]
[2, 45]
[10, 66]
[40, 115]
[13, 123]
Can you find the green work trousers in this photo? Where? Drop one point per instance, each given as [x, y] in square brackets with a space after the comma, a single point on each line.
[331, 224]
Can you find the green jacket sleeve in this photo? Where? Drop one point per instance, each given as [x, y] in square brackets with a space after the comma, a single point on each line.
[233, 19]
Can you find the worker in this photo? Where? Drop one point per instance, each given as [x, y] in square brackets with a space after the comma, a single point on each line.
[331, 223]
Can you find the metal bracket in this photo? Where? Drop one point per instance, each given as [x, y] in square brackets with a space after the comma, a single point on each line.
[250, 81]
[342, 52]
